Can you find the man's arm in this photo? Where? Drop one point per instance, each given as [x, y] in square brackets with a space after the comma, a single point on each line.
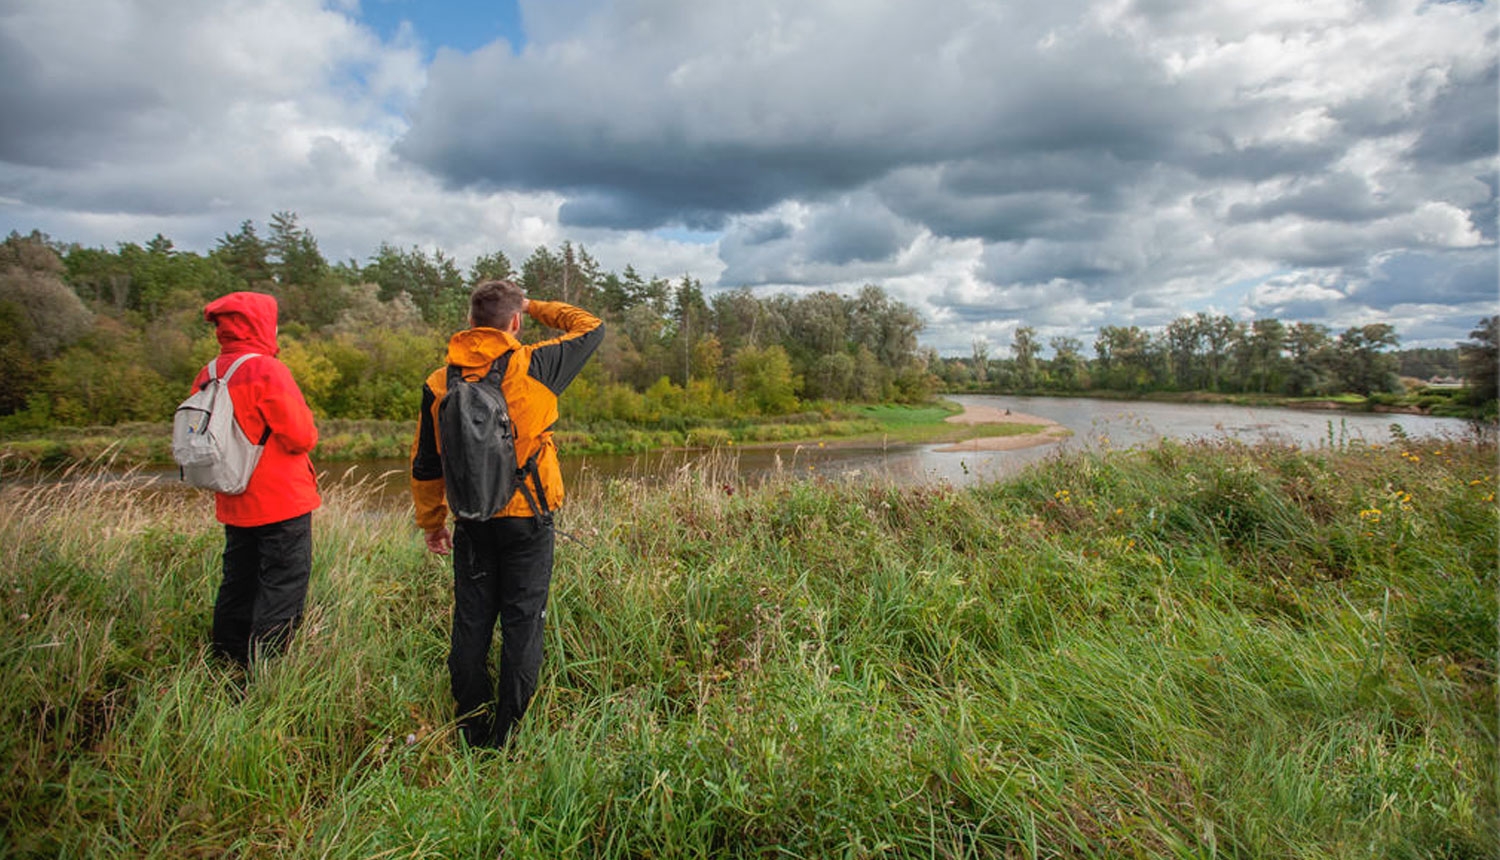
[427, 473]
[555, 362]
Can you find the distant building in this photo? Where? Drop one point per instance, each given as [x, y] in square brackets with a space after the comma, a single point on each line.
[1445, 382]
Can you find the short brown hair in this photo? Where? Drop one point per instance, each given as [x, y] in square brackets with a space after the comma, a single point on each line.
[493, 303]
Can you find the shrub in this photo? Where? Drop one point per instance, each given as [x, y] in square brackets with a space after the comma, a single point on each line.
[708, 437]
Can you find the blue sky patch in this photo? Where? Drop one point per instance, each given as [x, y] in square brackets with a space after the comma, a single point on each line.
[463, 25]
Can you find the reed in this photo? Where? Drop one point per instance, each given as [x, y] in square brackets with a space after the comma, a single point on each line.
[1190, 651]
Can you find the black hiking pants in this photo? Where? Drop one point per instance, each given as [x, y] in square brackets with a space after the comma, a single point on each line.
[502, 569]
[264, 589]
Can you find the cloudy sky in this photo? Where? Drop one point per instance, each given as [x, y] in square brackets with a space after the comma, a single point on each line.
[1063, 164]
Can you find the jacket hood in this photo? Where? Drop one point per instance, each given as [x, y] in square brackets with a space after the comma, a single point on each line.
[244, 322]
[477, 347]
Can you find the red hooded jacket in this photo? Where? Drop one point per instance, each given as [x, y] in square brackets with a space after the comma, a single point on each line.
[265, 396]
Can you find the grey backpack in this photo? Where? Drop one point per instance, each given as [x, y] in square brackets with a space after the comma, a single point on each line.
[207, 442]
[480, 472]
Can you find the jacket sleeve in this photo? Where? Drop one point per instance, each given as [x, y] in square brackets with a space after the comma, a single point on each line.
[555, 362]
[286, 412]
[427, 468]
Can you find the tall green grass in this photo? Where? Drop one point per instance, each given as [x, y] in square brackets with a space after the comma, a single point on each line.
[1195, 651]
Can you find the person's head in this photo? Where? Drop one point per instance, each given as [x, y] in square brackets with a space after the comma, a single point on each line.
[496, 304]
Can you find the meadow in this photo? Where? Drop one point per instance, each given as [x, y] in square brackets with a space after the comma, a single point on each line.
[1191, 651]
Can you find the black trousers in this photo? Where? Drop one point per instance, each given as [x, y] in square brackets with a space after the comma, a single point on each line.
[502, 569]
[264, 588]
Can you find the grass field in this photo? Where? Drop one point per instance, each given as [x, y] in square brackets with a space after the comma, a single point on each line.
[1197, 651]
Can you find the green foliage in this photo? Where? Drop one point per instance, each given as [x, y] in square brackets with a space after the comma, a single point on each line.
[362, 338]
[39, 311]
[19, 370]
[1214, 354]
[106, 378]
[490, 267]
[709, 437]
[434, 284]
[763, 380]
[1480, 359]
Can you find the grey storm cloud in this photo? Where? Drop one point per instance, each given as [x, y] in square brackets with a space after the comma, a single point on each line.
[1050, 132]
[854, 230]
[1048, 162]
[1044, 195]
[791, 101]
[1027, 302]
[1339, 196]
[1456, 278]
[1463, 122]
[1222, 159]
[54, 115]
[1304, 309]
[863, 239]
[1041, 261]
[1486, 215]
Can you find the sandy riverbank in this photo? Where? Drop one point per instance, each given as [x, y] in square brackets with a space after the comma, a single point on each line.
[1051, 430]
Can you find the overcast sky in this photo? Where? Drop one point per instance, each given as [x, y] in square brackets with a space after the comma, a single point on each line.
[1063, 164]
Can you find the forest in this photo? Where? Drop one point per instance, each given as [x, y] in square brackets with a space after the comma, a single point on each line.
[1216, 354]
[91, 336]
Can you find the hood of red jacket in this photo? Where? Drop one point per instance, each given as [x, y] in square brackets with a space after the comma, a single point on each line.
[245, 322]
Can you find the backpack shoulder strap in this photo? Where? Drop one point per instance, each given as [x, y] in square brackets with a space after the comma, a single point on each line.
[237, 362]
[500, 365]
[539, 509]
[213, 367]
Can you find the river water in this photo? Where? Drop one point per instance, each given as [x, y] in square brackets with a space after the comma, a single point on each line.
[1094, 424]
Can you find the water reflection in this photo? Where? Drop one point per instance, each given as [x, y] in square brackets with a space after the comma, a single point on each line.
[1094, 424]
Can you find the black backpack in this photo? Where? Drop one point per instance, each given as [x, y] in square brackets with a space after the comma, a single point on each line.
[480, 472]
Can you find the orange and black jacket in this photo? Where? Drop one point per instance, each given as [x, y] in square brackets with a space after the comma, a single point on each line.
[534, 377]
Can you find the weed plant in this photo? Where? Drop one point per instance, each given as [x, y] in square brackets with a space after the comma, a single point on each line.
[1190, 651]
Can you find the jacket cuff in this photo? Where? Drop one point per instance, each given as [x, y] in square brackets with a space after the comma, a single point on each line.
[431, 507]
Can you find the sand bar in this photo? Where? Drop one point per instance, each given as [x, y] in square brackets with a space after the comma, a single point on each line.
[1052, 431]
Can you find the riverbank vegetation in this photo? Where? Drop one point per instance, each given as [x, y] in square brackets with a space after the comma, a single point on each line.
[1214, 358]
[1197, 650]
[93, 337]
[342, 441]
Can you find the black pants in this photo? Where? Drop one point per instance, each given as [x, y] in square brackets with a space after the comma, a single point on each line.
[502, 569]
[264, 589]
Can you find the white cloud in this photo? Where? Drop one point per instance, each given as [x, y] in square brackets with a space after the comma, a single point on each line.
[1063, 165]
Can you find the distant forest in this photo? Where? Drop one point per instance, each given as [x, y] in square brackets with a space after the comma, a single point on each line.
[92, 336]
[1215, 353]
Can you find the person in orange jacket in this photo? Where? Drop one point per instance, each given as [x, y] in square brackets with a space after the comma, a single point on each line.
[268, 527]
[502, 567]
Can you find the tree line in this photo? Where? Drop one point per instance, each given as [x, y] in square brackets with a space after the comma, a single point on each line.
[1215, 353]
[91, 335]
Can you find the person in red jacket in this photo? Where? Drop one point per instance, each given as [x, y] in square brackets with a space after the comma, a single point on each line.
[268, 527]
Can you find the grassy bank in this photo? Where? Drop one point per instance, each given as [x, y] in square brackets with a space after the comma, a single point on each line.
[344, 441]
[1194, 652]
[1441, 403]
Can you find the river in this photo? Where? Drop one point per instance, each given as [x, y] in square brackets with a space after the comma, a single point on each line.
[1094, 424]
